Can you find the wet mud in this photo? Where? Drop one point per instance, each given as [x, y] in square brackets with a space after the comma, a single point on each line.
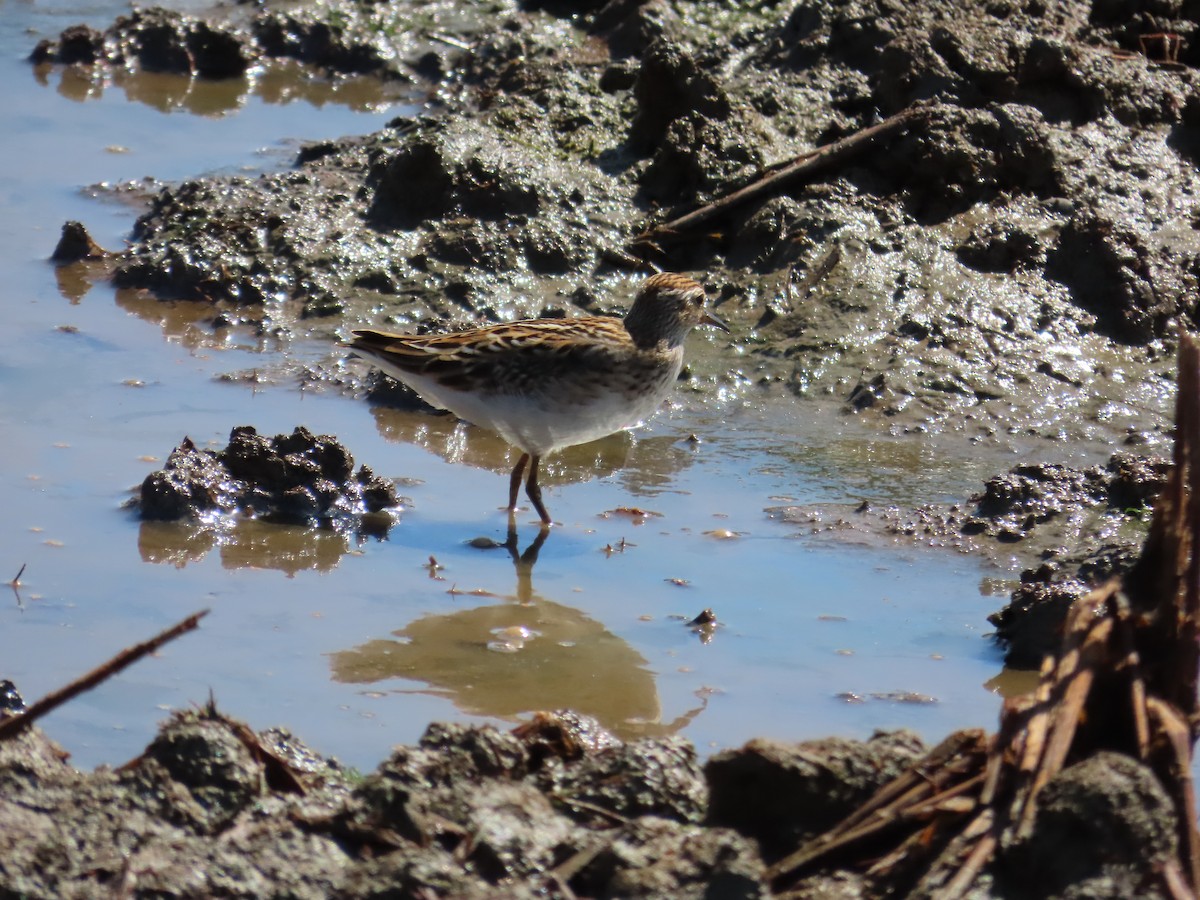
[294, 499]
[1009, 271]
[297, 478]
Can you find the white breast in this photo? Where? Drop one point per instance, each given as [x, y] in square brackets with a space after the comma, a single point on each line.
[546, 421]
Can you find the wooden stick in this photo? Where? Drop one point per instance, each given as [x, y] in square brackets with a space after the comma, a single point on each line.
[803, 164]
[1066, 719]
[14, 725]
[1188, 434]
[1132, 665]
[961, 848]
[920, 788]
[1179, 784]
[15, 584]
[935, 804]
[1035, 732]
[965, 876]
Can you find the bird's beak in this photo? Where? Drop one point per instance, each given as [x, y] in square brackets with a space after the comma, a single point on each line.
[710, 319]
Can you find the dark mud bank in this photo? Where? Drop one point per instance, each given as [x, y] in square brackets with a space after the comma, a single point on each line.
[558, 808]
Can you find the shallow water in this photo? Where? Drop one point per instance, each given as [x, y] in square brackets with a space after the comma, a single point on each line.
[356, 645]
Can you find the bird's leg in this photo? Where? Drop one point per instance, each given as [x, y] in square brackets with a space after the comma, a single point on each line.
[514, 482]
[533, 490]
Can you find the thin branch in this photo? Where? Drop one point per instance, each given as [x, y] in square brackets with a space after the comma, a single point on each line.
[14, 725]
[15, 584]
[966, 875]
[1179, 752]
[802, 165]
[918, 791]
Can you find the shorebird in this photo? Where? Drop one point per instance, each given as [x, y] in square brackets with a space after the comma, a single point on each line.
[546, 384]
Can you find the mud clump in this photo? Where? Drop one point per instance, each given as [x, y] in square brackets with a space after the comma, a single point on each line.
[695, 136]
[163, 40]
[293, 478]
[1013, 505]
[781, 794]
[76, 244]
[213, 808]
[157, 40]
[1133, 282]
[11, 701]
[464, 813]
[1030, 624]
[1096, 834]
[1098, 512]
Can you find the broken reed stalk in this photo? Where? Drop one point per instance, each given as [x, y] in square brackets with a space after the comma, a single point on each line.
[1124, 679]
[914, 795]
[14, 725]
[781, 176]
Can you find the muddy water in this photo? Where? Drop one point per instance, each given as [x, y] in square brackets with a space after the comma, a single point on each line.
[356, 644]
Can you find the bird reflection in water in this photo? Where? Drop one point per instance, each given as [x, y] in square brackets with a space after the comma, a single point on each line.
[524, 561]
[521, 655]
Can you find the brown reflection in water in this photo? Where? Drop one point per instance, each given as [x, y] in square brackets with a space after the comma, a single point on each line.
[1014, 682]
[276, 82]
[287, 548]
[640, 464]
[175, 543]
[74, 280]
[509, 659]
[248, 544]
[166, 92]
[191, 323]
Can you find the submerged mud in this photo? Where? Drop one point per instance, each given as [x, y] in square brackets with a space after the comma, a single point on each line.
[1070, 528]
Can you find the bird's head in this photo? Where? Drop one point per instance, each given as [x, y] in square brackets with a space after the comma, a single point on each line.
[666, 308]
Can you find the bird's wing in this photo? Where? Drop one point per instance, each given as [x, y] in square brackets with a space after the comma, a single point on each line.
[515, 355]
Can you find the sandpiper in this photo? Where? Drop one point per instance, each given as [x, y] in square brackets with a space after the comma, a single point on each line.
[545, 384]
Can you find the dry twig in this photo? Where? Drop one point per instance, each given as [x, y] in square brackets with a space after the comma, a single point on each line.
[14, 725]
[775, 180]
